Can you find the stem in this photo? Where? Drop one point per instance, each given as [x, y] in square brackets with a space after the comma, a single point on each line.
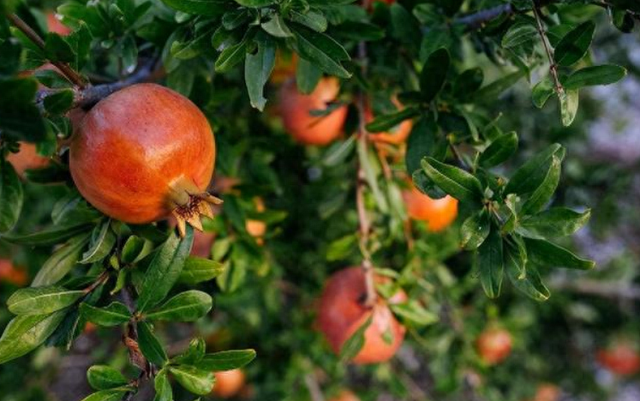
[64, 68]
[364, 226]
[553, 68]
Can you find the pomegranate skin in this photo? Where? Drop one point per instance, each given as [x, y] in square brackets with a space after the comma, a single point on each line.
[494, 345]
[138, 148]
[295, 111]
[341, 313]
[228, 383]
[27, 158]
[438, 213]
[621, 358]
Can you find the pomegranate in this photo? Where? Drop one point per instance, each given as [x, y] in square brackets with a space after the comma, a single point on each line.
[494, 345]
[398, 134]
[257, 228]
[295, 109]
[11, 274]
[55, 25]
[228, 383]
[621, 358]
[143, 153]
[342, 312]
[284, 68]
[437, 213]
[547, 392]
[27, 159]
[345, 395]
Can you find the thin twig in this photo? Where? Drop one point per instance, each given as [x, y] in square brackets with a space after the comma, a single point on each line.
[553, 68]
[64, 68]
[364, 225]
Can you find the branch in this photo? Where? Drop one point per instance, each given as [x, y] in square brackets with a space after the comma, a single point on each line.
[364, 226]
[89, 96]
[64, 68]
[553, 68]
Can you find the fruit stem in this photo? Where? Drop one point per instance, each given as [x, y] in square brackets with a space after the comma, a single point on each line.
[364, 226]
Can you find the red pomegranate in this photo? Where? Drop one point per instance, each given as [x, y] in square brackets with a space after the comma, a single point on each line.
[621, 358]
[295, 110]
[228, 383]
[342, 312]
[143, 153]
[27, 158]
[494, 345]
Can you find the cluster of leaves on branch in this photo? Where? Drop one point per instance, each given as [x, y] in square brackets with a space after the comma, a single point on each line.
[413, 51]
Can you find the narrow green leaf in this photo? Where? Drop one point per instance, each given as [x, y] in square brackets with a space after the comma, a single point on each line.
[150, 345]
[475, 230]
[414, 312]
[103, 377]
[132, 249]
[226, 360]
[530, 175]
[500, 150]
[354, 344]
[41, 300]
[196, 381]
[519, 34]
[231, 56]
[277, 27]
[199, 7]
[25, 333]
[257, 69]
[61, 262]
[51, 236]
[311, 19]
[11, 196]
[494, 89]
[490, 263]
[569, 100]
[102, 241]
[530, 282]
[545, 253]
[434, 74]
[114, 314]
[453, 180]
[575, 44]
[114, 394]
[595, 75]
[164, 270]
[163, 387]
[541, 196]
[59, 102]
[322, 50]
[197, 270]
[307, 76]
[555, 222]
[387, 121]
[184, 307]
[542, 91]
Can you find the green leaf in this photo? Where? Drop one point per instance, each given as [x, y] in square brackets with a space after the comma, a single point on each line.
[555, 222]
[184, 307]
[255, 3]
[59, 102]
[575, 44]
[494, 89]
[434, 74]
[257, 69]
[133, 249]
[569, 100]
[57, 49]
[307, 76]
[61, 262]
[500, 150]
[542, 91]
[26, 332]
[404, 26]
[545, 253]
[354, 344]
[50, 236]
[150, 345]
[210, 8]
[414, 312]
[114, 394]
[226, 360]
[490, 263]
[529, 283]
[193, 47]
[310, 19]
[102, 241]
[475, 230]
[322, 50]
[193, 354]
[541, 196]
[114, 314]
[196, 381]
[197, 270]
[369, 163]
[277, 27]
[387, 121]
[103, 377]
[433, 40]
[231, 56]
[11, 196]
[20, 119]
[468, 83]
[164, 270]
[358, 31]
[519, 34]
[421, 142]
[453, 180]
[530, 175]
[74, 208]
[42, 300]
[163, 387]
[595, 75]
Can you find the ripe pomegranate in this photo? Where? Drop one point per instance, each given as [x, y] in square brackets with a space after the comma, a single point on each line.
[494, 345]
[547, 392]
[27, 159]
[397, 135]
[284, 68]
[621, 358]
[228, 383]
[342, 312]
[55, 25]
[345, 395]
[438, 213]
[144, 153]
[257, 228]
[295, 109]
[13, 275]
